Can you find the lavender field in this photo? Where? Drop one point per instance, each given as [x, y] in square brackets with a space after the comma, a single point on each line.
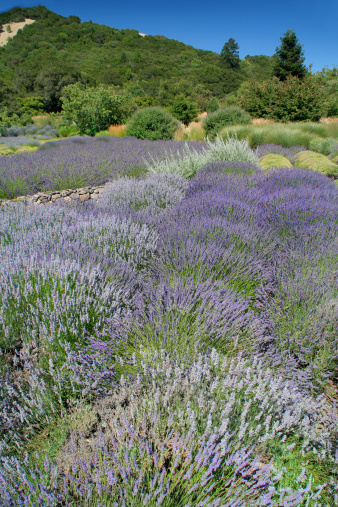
[173, 343]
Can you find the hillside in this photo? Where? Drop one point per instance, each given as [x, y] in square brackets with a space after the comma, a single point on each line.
[55, 51]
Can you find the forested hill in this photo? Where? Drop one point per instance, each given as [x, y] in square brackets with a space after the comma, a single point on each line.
[56, 51]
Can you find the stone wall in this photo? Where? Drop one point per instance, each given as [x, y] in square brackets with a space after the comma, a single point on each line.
[69, 195]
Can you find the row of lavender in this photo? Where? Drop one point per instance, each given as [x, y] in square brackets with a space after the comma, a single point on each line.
[79, 162]
[192, 326]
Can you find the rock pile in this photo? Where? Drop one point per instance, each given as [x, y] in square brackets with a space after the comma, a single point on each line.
[69, 195]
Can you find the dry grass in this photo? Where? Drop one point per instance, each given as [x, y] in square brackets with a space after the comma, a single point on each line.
[117, 130]
[201, 116]
[193, 132]
[329, 120]
[262, 121]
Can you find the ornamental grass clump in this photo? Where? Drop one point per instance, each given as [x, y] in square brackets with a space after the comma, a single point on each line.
[274, 160]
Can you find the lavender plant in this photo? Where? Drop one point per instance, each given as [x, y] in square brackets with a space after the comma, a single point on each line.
[152, 194]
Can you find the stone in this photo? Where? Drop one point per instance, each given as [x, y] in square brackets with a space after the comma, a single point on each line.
[84, 197]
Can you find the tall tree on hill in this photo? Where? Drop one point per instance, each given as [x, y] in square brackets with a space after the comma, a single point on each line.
[229, 55]
[290, 57]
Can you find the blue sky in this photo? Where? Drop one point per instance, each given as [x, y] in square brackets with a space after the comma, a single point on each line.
[256, 26]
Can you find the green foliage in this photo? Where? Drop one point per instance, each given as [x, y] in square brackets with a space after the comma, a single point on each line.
[184, 110]
[95, 109]
[329, 80]
[259, 67]
[68, 130]
[231, 115]
[135, 90]
[289, 100]
[229, 55]
[152, 123]
[7, 120]
[213, 105]
[32, 105]
[290, 57]
[146, 101]
[8, 29]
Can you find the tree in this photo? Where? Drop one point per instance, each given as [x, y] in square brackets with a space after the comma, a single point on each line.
[290, 57]
[289, 100]
[32, 105]
[229, 55]
[94, 109]
[184, 109]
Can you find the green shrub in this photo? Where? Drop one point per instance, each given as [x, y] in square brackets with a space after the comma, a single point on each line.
[152, 123]
[184, 110]
[289, 100]
[7, 120]
[146, 101]
[68, 130]
[231, 115]
[95, 109]
[274, 160]
[317, 162]
[32, 106]
[213, 105]
[102, 133]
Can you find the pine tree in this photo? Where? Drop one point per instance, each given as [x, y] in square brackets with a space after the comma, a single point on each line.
[290, 57]
[229, 55]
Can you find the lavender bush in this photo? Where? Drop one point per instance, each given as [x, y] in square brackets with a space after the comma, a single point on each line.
[152, 194]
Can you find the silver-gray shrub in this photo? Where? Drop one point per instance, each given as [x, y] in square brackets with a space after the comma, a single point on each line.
[191, 161]
[154, 193]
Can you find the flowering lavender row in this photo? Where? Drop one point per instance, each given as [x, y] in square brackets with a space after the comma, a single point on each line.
[225, 290]
[78, 162]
